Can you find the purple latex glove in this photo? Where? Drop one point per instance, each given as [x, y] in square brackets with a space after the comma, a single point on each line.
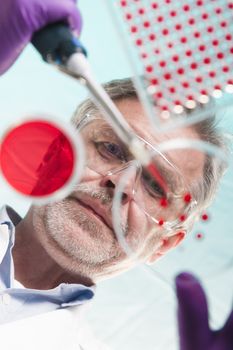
[19, 19]
[194, 330]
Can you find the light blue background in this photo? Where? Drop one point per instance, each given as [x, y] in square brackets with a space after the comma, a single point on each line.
[136, 309]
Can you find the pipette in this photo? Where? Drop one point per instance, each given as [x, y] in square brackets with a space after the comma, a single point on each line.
[59, 47]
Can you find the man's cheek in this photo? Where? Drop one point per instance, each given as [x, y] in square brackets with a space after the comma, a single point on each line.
[136, 228]
[90, 175]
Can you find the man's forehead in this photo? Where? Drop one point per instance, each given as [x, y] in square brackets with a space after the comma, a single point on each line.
[135, 115]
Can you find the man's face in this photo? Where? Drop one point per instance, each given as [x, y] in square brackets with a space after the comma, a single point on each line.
[78, 231]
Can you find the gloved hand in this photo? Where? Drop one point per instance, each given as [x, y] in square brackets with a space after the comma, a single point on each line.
[194, 331]
[19, 19]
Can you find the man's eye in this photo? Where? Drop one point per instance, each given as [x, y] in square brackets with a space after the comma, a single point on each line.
[153, 186]
[110, 150]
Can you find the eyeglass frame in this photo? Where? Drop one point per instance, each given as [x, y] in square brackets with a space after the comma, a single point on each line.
[169, 226]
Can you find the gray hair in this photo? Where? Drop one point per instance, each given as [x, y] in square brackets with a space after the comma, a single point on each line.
[118, 89]
[207, 130]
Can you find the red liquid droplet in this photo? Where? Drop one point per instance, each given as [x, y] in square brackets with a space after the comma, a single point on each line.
[146, 24]
[164, 202]
[141, 11]
[191, 21]
[182, 217]
[218, 10]
[207, 60]
[220, 55]
[185, 84]
[212, 74]
[205, 217]
[161, 222]
[134, 29]
[138, 42]
[172, 89]
[123, 3]
[173, 13]
[225, 69]
[159, 94]
[205, 16]
[197, 34]
[193, 65]
[210, 29]
[183, 40]
[199, 235]
[175, 58]
[202, 47]
[178, 26]
[223, 24]
[165, 31]
[167, 76]
[203, 92]
[152, 37]
[188, 53]
[186, 8]
[149, 69]
[162, 63]
[154, 81]
[199, 79]
[154, 5]
[180, 71]
[187, 198]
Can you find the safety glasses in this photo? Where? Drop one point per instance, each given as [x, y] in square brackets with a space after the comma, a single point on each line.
[165, 198]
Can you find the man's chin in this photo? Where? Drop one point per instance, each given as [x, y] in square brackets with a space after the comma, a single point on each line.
[78, 242]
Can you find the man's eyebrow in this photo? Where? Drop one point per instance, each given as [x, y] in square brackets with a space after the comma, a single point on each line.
[107, 131]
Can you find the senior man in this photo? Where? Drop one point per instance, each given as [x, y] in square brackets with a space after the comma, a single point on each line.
[63, 248]
[51, 259]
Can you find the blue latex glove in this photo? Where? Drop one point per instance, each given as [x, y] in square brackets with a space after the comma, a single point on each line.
[20, 19]
[194, 330]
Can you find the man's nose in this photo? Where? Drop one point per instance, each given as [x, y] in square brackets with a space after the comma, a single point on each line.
[127, 180]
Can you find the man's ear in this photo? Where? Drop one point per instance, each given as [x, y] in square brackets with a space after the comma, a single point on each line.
[166, 244]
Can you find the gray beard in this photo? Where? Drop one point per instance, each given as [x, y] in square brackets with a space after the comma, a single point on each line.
[63, 223]
[92, 249]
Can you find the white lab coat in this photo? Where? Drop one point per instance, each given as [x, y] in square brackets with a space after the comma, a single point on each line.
[62, 329]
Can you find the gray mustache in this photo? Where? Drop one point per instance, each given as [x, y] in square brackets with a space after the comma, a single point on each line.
[100, 194]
